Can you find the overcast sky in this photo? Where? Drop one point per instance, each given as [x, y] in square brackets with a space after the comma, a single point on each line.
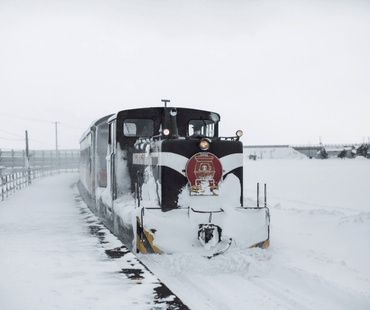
[285, 72]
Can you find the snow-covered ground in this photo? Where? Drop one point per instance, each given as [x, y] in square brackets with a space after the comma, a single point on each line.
[318, 259]
[320, 243]
[53, 255]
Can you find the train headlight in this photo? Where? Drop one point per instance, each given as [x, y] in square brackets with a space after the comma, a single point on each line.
[239, 133]
[204, 145]
[166, 132]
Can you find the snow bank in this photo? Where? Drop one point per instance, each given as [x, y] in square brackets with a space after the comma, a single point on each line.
[360, 158]
[274, 153]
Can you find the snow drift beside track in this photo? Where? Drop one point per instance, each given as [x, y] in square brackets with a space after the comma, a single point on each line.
[273, 153]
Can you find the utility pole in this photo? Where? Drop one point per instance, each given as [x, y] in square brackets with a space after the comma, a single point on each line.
[27, 160]
[56, 145]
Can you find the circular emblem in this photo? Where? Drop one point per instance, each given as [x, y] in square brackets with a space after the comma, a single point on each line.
[204, 172]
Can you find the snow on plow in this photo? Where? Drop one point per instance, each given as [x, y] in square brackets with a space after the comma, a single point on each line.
[206, 232]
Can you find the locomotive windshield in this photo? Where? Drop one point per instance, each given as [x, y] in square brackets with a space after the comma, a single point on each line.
[138, 127]
[201, 127]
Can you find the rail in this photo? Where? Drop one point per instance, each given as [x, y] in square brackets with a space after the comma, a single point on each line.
[11, 182]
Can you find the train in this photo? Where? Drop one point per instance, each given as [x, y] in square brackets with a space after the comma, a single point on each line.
[163, 180]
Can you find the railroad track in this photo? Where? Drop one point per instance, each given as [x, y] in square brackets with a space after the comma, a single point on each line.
[134, 271]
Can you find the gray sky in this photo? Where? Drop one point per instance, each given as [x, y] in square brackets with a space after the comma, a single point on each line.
[285, 72]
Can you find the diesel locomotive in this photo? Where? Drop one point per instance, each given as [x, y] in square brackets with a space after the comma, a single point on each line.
[163, 180]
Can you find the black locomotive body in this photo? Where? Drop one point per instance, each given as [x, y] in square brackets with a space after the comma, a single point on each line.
[163, 180]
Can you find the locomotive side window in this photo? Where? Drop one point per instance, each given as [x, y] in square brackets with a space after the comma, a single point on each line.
[138, 127]
[201, 127]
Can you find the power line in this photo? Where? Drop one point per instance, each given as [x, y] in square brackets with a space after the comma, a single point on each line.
[36, 120]
[64, 124]
[25, 118]
[22, 138]
[40, 142]
[11, 139]
[10, 123]
[40, 121]
[13, 134]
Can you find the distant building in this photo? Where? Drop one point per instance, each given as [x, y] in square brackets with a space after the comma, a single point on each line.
[313, 151]
[334, 151]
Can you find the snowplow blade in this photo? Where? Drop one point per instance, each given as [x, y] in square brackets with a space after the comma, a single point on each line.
[192, 231]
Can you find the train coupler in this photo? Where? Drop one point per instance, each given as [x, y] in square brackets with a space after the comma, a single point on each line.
[209, 235]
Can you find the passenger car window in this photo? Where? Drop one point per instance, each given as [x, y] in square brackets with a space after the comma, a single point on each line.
[138, 127]
[201, 127]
